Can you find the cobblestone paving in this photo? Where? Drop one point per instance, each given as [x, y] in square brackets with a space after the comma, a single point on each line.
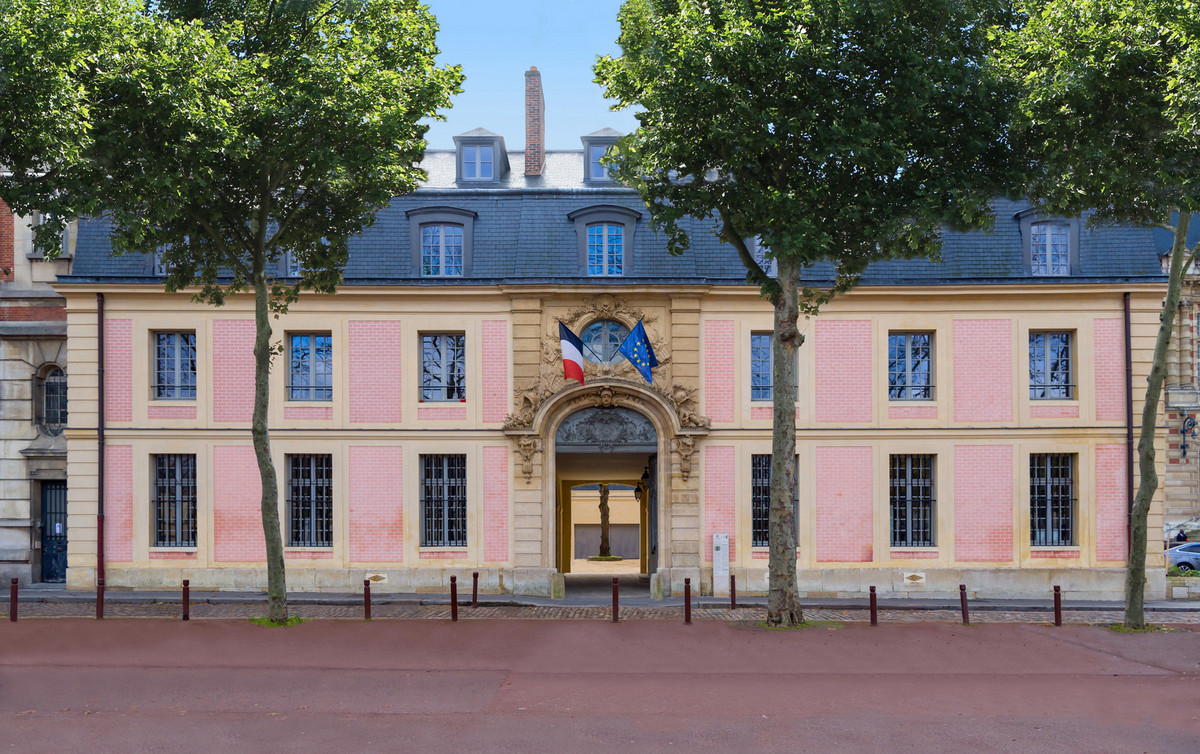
[442, 612]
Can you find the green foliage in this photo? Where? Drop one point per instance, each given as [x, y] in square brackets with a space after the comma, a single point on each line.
[828, 625]
[293, 620]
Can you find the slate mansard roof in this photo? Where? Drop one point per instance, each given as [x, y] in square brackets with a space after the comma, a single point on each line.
[522, 234]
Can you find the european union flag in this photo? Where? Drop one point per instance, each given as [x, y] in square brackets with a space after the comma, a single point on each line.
[636, 348]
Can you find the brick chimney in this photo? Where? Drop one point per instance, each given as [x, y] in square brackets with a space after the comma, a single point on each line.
[535, 123]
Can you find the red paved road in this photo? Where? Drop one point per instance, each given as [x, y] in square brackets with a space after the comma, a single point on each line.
[77, 685]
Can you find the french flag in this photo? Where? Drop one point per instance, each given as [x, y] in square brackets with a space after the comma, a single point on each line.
[572, 353]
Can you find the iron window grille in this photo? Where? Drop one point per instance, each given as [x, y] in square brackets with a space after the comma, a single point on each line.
[311, 367]
[443, 367]
[760, 501]
[912, 500]
[310, 500]
[1050, 372]
[910, 366]
[175, 365]
[601, 341]
[52, 400]
[441, 250]
[1052, 499]
[443, 500]
[605, 249]
[175, 500]
[762, 367]
[477, 162]
[1050, 249]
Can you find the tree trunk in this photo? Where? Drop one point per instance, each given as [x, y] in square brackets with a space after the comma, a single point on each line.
[277, 607]
[1135, 574]
[783, 605]
[605, 548]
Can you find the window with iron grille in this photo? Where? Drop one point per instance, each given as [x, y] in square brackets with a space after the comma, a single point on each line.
[910, 366]
[175, 500]
[605, 249]
[1052, 499]
[175, 365]
[310, 500]
[1050, 374]
[52, 400]
[760, 500]
[441, 250]
[443, 367]
[1050, 248]
[444, 500]
[311, 367]
[912, 500]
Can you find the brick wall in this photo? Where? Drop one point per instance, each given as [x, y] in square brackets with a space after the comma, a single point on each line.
[7, 230]
[118, 503]
[1111, 502]
[233, 370]
[454, 413]
[718, 369]
[496, 473]
[32, 313]
[720, 492]
[376, 364]
[1109, 350]
[983, 503]
[983, 386]
[237, 513]
[170, 412]
[376, 504]
[118, 370]
[308, 413]
[844, 507]
[843, 370]
[495, 370]
[1054, 412]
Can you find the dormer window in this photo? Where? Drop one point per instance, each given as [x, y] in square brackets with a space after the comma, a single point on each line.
[441, 240]
[477, 162]
[605, 235]
[595, 146]
[597, 170]
[1051, 244]
[481, 157]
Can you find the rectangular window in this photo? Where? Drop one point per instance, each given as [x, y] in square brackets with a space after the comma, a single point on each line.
[760, 500]
[1050, 374]
[442, 250]
[443, 367]
[605, 249]
[910, 480]
[762, 367]
[311, 373]
[477, 162]
[910, 366]
[1050, 249]
[175, 365]
[443, 500]
[310, 500]
[598, 171]
[1052, 499]
[175, 500]
[52, 407]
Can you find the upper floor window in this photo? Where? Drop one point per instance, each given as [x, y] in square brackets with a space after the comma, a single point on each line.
[160, 265]
[606, 249]
[51, 400]
[481, 156]
[597, 170]
[477, 162]
[175, 365]
[441, 250]
[910, 366]
[1050, 367]
[292, 267]
[1052, 499]
[762, 367]
[443, 367]
[595, 146]
[310, 374]
[1050, 248]
[602, 339]
[760, 253]
[605, 234]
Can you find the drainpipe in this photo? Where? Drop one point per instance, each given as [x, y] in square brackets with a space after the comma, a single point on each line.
[100, 437]
[1128, 428]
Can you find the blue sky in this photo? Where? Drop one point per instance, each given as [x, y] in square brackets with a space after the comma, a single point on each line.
[497, 41]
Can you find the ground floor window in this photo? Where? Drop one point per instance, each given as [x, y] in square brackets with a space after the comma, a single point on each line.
[310, 500]
[910, 480]
[760, 501]
[444, 500]
[1052, 499]
[174, 500]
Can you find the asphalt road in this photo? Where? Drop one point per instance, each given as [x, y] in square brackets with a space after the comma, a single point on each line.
[509, 685]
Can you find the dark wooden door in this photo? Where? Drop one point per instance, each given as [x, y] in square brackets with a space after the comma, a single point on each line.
[54, 531]
[652, 516]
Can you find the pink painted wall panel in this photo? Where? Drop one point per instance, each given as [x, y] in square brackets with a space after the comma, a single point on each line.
[983, 503]
[376, 361]
[1054, 553]
[118, 370]
[914, 555]
[376, 504]
[162, 555]
[983, 379]
[496, 473]
[237, 515]
[1110, 369]
[496, 353]
[912, 412]
[1037, 411]
[718, 370]
[233, 370]
[766, 412]
[118, 503]
[308, 413]
[442, 413]
[844, 507]
[170, 412]
[442, 554]
[843, 370]
[720, 494]
[1111, 502]
[307, 555]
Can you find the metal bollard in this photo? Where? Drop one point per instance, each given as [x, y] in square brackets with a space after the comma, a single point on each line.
[366, 599]
[475, 589]
[874, 610]
[453, 598]
[100, 599]
[962, 597]
[732, 592]
[1057, 605]
[687, 601]
[187, 599]
[616, 603]
[12, 600]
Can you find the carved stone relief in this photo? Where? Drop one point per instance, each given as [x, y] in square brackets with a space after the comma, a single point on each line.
[605, 428]
[685, 446]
